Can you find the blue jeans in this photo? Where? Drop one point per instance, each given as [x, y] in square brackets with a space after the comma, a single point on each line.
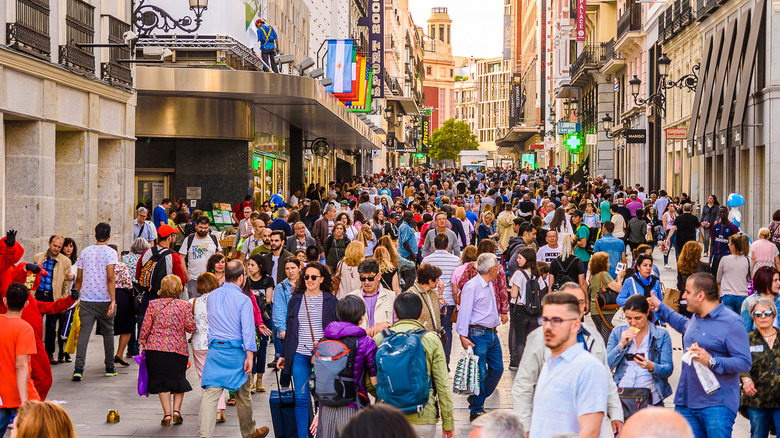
[301, 371]
[733, 302]
[5, 418]
[259, 361]
[447, 324]
[491, 366]
[711, 422]
[761, 420]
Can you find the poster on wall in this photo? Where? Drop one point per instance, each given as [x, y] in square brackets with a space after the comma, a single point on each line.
[376, 44]
[528, 161]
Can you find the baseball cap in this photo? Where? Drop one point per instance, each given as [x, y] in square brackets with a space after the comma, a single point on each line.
[259, 21]
[166, 230]
[394, 215]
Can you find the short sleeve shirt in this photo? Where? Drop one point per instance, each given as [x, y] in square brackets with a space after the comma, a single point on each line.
[583, 232]
[16, 339]
[198, 254]
[686, 224]
[93, 262]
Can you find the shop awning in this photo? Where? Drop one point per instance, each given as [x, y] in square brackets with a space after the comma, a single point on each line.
[518, 135]
[407, 103]
[301, 101]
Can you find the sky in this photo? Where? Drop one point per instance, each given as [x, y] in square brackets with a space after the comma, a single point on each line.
[477, 26]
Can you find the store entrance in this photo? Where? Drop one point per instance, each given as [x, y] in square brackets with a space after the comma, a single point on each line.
[151, 189]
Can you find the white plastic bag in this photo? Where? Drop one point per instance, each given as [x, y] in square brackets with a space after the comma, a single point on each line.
[466, 380]
[706, 377]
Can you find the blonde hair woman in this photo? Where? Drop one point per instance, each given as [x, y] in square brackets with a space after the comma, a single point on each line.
[37, 419]
[567, 265]
[163, 339]
[763, 252]
[366, 236]
[387, 270]
[346, 272]
[468, 227]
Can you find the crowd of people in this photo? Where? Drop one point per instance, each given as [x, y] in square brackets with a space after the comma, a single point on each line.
[388, 271]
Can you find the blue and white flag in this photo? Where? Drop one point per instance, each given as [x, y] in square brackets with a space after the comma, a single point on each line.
[339, 68]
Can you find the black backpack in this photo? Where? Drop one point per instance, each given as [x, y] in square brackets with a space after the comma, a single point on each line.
[563, 274]
[153, 271]
[533, 295]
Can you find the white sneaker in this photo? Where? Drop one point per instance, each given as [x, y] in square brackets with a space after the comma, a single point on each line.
[666, 266]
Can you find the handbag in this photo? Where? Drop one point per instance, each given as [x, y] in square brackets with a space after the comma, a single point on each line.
[619, 318]
[633, 399]
[143, 376]
[466, 379]
[672, 299]
[337, 279]
[606, 298]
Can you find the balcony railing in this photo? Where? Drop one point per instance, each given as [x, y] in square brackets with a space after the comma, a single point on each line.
[30, 32]
[630, 21]
[674, 20]
[79, 29]
[113, 70]
[610, 52]
[593, 54]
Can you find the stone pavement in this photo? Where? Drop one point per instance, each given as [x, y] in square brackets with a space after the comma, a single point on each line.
[88, 401]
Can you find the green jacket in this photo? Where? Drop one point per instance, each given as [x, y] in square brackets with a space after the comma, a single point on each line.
[434, 352]
[762, 372]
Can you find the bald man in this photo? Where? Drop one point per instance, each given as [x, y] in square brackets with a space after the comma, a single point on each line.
[657, 423]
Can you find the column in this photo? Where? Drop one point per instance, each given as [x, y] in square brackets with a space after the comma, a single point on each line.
[113, 179]
[29, 182]
[76, 189]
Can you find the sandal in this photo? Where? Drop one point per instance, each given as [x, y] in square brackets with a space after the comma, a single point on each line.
[177, 418]
[165, 422]
[231, 401]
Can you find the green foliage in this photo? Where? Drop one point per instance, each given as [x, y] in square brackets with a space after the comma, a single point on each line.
[451, 138]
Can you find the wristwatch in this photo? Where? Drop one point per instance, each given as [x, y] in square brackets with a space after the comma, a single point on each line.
[712, 362]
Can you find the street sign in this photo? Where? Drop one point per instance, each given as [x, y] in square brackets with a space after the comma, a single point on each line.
[635, 136]
[568, 127]
[549, 142]
[534, 147]
[591, 139]
[676, 133]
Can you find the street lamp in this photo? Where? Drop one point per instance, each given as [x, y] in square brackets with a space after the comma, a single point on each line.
[389, 117]
[608, 124]
[150, 17]
[658, 98]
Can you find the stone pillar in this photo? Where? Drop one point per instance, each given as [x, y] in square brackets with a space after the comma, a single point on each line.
[76, 190]
[604, 161]
[112, 184]
[30, 182]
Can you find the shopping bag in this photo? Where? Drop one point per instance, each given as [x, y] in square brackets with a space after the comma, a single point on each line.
[672, 299]
[460, 382]
[664, 247]
[473, 374]
[143, 377]
[73, 336]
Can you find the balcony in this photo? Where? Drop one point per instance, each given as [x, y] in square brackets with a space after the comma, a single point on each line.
[113, 71]
[79, 29]
[30, 32]
[674, 20]
[614, 59]
[593, 56]
[630, 21]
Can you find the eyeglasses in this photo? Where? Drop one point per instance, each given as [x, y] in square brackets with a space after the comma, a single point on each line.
[767, 313]
[311, 277]
[555, 322]
[371, 278]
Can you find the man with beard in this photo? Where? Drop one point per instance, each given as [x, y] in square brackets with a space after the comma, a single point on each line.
[571, 393]
[272, 259]
[196, 250]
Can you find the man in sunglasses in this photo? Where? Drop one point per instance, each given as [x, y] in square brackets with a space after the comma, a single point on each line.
[536, 351]
[378, 300]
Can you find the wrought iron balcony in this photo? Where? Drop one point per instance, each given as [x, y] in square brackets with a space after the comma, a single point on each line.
[630, 21]
[115, 72]
[674, 20]
[112, 71]
[79, 29]
[30, 32]
[593, 55]
[610, 52]
[73, 56]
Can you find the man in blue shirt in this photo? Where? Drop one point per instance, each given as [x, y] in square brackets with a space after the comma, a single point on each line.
[719, 340]
[614, 247]
[160, 214]
[266, 36]
[407, 242]
[231, 351]
[719, 238]
[142, 227]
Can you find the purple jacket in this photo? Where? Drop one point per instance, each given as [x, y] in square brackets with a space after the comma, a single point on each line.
[365, 362]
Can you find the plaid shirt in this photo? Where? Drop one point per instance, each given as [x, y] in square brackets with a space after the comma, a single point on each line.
[48, 266]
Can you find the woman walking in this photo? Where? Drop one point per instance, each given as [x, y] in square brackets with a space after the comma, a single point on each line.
[125, 316]
[766, 283]
[602, 281]
[216, 265]
[336, 245]
[734, 272]
[763, 252]
[709, 215]
[164, 341]
[312, 307]
[761, 385]
[259, 287]
[346, 272]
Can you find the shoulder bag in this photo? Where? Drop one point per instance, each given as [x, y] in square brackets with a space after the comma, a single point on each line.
[337, 278]
[308, 316]
[436, 327]
[606, 298]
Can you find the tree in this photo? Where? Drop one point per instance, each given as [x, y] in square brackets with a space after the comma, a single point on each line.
[451, 138]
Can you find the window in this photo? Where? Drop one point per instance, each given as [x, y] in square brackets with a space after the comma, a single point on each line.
[450, 72]
[428, 70]
[441, 32]
[433, 31]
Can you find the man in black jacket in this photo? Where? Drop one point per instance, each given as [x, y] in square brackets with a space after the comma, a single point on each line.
[526, 236]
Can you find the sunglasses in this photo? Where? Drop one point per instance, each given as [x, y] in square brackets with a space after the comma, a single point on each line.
[767, 313]
[371, 278]
[311, 277]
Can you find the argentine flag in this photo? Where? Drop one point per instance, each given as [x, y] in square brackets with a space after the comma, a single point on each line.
[339, 68]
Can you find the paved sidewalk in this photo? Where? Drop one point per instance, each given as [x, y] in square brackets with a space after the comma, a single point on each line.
[88, 401]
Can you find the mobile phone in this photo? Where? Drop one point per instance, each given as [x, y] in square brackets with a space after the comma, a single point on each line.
[631, 356]
[620, 266]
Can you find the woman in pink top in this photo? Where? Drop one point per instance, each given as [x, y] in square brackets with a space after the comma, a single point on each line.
[764, 252]
[163, 339]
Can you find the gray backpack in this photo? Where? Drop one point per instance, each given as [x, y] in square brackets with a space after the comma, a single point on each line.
[333, 381]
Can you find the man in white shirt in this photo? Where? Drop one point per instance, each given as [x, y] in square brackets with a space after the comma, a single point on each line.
[447, 262]
[549, 252]
[253, 241]
[197, 249]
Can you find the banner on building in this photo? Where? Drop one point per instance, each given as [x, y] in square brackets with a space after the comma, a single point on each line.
[354, 94]
[507, 35]
[582, 16]
[339, 66]
[425, 130]
[376, 44]
[635, 136]
[568, 127]
[515, 100]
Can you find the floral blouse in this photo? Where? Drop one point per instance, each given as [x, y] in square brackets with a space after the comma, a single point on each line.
[200, 339]
[122, 276]
[131, 261]
[499, 286]
[165, 325]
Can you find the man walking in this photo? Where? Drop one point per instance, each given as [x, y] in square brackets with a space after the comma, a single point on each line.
[299, 240]
[571, 394]
[231, 351]
[378, 300]
[719, 341]
[266, 37]
[280, 223]
[685, 226]
[614, 247]
[477, 323]
[161, 213]
[441, 228]
[253, 241]
[447, 263]
[526, 236]
[407, 241]
[54, 285]
[95, 281]
[323, 227]
[195, 252]
[142, 227]
[720, 232]
[274, 260]
[551, 251]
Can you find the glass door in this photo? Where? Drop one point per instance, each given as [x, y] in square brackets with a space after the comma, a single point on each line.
[151, 189]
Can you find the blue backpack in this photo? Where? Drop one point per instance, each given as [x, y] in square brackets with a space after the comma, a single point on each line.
[402, 371]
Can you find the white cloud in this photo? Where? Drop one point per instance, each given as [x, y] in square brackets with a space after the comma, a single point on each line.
[477, 25]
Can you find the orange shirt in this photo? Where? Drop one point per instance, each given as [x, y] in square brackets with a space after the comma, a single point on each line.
[16, 339]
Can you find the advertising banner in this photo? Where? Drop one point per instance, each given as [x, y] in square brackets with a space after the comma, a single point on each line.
[582, 16]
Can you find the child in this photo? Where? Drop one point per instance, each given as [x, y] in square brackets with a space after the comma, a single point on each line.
[350, 311]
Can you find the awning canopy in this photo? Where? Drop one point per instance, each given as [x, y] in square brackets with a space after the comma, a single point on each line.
[407, 103]
[517, 135]
[164, 92]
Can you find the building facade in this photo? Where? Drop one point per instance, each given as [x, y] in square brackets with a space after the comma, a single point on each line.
[439, 83]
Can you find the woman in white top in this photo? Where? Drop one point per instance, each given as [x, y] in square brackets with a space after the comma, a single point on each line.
[346, 272]
[668, 220]
[468, 227]
[350, 230]
[734, 272]
[521, 321]
[207, 282]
